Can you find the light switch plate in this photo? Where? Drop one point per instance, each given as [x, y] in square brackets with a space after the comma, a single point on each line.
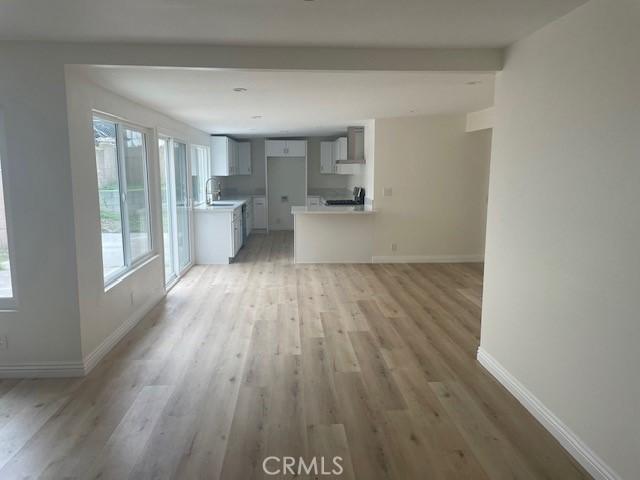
[387, 192]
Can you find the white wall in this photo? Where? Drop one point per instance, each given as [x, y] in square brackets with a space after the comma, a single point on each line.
[45, 328]
[562, 272]
[438, 175]
[102, 313]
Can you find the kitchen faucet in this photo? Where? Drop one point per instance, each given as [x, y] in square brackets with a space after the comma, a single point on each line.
[210, 195]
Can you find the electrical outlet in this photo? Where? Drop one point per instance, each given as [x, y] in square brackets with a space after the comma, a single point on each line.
[387, 192]
[132, 298]
[4, 342]
[394, 247]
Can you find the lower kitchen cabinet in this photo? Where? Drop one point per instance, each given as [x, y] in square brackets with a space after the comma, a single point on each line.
[218, 235]
[260, 212]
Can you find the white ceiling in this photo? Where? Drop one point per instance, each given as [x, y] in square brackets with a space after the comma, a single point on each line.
[292, 102]
[385, 23]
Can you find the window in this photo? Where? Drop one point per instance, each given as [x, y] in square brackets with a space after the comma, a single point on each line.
[6, 285]
[200, 172]
[123, 193]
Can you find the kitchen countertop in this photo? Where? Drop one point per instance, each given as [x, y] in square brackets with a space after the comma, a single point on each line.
[236, 202]
[334, 209]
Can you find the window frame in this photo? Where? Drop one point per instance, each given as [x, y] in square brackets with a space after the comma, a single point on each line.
[8, 304]
[129, 263]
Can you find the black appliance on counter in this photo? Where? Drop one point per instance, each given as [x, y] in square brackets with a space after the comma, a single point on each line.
[358, 198]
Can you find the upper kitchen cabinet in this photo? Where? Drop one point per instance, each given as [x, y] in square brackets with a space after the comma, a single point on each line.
[340, 149]
[244, 158]
[286, 148]
[327, 160]
[224, 156]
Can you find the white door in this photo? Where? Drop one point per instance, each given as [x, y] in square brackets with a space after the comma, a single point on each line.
[176, 207]
[286, 179]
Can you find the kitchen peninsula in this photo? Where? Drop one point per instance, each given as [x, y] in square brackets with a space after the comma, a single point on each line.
[333, 234]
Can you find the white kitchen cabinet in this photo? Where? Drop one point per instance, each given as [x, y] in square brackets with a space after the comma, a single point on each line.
[244, 158]
[327, 161]
[331, 153]
[259, 212]
[215, 241]
[275, 148]
[286, 148]
[296, 148]
[224, 156]
[340, 149]
[313, 201]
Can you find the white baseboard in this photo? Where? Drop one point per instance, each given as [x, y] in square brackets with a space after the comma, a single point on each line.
[42, 370]
[567, 438]
[91, 360]
[428, 259]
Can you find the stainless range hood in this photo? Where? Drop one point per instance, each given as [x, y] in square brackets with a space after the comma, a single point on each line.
[355, 145]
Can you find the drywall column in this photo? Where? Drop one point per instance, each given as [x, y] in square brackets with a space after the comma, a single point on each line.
[562, 271]
[44, 332]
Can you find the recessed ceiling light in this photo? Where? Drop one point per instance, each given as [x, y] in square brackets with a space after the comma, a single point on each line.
[239, 89]
[255, 117]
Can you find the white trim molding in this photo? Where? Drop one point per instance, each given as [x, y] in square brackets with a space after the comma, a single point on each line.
[93, 358]
[42, 370]
[567, 438]
[428, 259]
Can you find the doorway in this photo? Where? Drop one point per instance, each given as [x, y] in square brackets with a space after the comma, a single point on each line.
[287, 183]
[176, 212]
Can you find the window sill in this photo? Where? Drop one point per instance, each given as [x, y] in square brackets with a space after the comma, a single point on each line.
[8, 305]
[140, 264]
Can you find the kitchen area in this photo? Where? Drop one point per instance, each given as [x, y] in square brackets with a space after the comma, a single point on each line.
[259, 185]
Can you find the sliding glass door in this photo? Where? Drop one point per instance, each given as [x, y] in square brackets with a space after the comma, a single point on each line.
[170, 273]
[181, 186]
[176, 211]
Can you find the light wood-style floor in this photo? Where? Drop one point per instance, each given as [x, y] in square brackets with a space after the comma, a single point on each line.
[373, 363]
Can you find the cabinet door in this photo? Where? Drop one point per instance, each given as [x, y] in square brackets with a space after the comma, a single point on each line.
[295, 148]
[275, 148]
[220, 147]
[259, 212]
[326, 158]
[244, 158]
[233, 157]
[341, 149]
